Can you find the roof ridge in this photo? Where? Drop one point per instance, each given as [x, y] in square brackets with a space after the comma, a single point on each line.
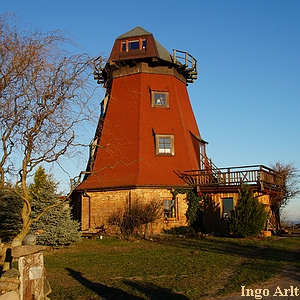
[137, 31]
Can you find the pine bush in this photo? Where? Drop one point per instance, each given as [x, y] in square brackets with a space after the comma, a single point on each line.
[56, 227]
[10, 214]
[249, 216]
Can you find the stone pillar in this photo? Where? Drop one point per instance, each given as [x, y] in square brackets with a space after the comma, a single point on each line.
[33, 283]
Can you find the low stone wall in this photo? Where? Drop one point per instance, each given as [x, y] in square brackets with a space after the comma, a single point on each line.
[13, 295]
[29, 281]
[9, 285]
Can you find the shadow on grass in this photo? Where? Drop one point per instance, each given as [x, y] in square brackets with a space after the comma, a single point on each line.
[111, 293]
[106, 292]
[154, 291]
[232, 246]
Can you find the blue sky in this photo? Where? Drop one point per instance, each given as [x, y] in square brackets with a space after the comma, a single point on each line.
[247, 96]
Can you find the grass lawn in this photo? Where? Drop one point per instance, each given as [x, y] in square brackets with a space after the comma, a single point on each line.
[168, 268]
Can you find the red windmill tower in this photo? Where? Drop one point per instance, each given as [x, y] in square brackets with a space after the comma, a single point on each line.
[146, 131]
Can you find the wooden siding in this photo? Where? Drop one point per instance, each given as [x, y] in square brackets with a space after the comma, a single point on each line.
[213, 211]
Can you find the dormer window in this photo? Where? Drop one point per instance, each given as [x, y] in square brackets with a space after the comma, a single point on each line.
[144, 44]
[159, 99]
[134, 45]
[164, 144]
[137, 44]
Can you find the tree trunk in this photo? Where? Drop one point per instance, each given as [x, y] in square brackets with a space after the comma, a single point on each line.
[24, 231]
[278, 222]
[276, 214]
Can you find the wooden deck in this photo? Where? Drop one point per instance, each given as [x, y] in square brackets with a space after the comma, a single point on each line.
[261, 177]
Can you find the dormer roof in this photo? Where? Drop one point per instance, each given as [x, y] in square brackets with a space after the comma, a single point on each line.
[152, 49]
[135, 32]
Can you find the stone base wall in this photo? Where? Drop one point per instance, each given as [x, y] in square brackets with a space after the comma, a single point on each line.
[9, 285]
[97, 207]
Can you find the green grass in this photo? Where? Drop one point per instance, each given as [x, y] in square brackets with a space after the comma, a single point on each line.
[168, 268]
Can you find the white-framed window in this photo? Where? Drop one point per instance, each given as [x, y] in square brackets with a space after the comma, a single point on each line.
[159, 99]
[164, 144]
[228, 206]
[169, 208]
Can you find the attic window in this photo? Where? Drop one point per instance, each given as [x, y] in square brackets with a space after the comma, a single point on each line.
[159, 99]
[164, 144]
[138, 44]
[134, 45]
[144, 44]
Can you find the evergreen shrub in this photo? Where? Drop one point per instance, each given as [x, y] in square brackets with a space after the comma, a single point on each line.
[56, 227]
[10, 214]
[249, 216]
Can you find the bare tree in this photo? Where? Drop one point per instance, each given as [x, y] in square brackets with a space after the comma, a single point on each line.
[286, 178]
[44, 97]
[147, 213]
[137, 216]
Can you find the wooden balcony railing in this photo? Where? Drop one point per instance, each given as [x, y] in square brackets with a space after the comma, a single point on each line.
[187, 63]
[233, 176]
